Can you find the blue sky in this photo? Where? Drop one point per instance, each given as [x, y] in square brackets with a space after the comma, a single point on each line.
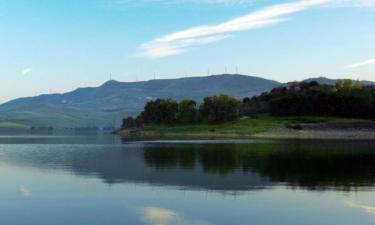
[56, 46]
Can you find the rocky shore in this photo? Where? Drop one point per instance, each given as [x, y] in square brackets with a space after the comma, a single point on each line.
[353, 130]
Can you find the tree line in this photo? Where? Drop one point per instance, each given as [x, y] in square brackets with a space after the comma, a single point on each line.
[345, 98]
[215, 109]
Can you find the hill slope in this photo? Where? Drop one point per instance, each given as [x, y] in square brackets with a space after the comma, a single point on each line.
[109, 103]
[325, 80]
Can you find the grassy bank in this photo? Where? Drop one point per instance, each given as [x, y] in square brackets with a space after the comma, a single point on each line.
[244, 127]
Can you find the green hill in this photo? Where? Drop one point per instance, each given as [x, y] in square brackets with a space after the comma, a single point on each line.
[107, 104]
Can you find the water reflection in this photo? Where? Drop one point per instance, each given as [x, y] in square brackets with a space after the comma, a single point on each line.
[365, 208]
[298, 164]
[161, 216]
[325, 165]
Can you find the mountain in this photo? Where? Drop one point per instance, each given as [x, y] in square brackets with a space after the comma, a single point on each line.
[325, 80]
[109, 103]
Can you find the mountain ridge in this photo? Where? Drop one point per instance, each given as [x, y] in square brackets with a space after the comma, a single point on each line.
[113, 99]
[108, 103]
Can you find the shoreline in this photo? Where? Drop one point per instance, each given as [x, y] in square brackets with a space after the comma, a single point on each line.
[285, 133]
[363, 130]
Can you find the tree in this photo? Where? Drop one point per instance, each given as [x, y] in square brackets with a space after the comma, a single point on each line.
[220, 108]
[347, 85]
[160, 111]
[187, 111]
[339, 84]
[358, 84]
[140, 120]
[128, 123]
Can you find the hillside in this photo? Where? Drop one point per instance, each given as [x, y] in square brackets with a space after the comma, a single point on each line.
[109, 103]
[325, 80]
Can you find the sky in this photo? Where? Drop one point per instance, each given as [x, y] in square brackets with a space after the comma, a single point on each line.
[58, 46]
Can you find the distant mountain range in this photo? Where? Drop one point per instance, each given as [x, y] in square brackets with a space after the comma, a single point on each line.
[109, 103]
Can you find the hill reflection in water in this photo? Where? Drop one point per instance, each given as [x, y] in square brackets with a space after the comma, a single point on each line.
[309, 165]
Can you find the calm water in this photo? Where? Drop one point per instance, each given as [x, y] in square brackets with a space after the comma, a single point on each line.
[105, 180]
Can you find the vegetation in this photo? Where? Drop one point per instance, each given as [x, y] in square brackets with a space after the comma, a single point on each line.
[243, 127]
[160, 111]
[286, 106]
[346, 99]
[187, 112]
[108, 104]
[12, 126]
[216, 109]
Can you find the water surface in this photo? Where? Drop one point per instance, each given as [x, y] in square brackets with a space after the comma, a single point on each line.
[66, 179]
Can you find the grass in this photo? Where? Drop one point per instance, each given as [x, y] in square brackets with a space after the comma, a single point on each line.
[244, 127]
[13, 126]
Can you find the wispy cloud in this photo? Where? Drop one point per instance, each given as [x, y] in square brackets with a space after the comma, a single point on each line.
[364, 63]
[25, 191]
[160, 48]
[179, 2]
[354, 3]
[27, 71]
[160, 216]
[366, 208]
[179, 42]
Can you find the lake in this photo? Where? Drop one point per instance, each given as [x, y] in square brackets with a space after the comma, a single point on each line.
[108, 180]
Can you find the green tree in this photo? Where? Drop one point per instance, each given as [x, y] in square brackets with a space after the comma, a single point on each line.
[220, 108]
[187, 111]
[160, 111]
[347, 85]
[339, 84]
[128, 123]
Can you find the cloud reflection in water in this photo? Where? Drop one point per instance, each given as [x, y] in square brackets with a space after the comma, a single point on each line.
[161, 216]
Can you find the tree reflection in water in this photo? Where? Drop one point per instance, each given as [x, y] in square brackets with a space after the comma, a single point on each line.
[298, 164]
[344, 165]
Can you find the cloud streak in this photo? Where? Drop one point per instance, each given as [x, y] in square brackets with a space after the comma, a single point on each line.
[27, 71]
[360, 64]
[178, 42]
[354, 3]
[181, 41]
[179, 2]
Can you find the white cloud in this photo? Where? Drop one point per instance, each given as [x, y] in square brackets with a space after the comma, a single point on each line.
[160, 216]
[25, 191]
[365, 208]
[162, 49]
[179, 2]
[179, 42]
[354, 3]
[26, 71]
[364, 63]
